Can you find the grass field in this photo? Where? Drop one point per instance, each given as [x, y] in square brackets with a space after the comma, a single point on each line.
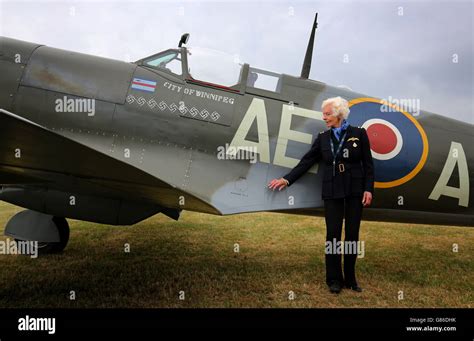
[279, 253]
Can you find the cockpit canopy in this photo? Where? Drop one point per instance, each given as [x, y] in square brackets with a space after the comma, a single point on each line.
[169, 61]
[212, 68]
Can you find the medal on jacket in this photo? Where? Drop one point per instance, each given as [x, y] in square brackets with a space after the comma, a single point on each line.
[341, 142]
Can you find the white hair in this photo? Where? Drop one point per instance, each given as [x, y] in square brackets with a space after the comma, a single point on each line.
[340, 107]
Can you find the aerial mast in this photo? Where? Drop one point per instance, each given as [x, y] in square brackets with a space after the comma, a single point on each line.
[309, 51]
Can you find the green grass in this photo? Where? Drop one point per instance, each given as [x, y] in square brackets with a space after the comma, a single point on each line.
[278, 253]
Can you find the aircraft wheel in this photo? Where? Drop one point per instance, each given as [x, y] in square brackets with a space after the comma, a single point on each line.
[57, 247]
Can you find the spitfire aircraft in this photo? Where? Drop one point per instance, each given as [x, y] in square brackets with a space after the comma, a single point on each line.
[115, 142]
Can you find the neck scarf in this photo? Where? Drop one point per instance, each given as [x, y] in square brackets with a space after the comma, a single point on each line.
[338, 131]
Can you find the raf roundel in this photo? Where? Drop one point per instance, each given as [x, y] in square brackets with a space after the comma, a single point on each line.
[398, 143]
[386, 141]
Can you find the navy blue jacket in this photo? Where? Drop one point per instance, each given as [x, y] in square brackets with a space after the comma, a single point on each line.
[353, 177]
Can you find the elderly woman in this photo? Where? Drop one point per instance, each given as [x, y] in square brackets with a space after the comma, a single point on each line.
[348, 185]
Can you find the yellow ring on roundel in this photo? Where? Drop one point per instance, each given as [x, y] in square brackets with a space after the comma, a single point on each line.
[424, 138]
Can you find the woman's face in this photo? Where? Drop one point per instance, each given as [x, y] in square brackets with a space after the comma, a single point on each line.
[331, 121]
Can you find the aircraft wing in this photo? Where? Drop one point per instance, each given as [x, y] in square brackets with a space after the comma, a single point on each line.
[31, 155]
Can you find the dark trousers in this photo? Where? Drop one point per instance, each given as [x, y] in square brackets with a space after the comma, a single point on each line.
[349, 208]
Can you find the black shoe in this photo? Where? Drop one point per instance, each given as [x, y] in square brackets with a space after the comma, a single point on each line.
[335, 287]
[354, 287]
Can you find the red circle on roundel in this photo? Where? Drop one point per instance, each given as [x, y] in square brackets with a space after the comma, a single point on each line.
[382, 138]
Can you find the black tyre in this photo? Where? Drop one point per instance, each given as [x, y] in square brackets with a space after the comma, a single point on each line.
[45, 248]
